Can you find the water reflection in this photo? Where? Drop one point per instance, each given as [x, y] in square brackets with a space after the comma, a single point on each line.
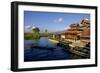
[37, 54]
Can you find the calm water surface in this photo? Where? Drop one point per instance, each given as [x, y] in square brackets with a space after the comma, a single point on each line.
[37, 54]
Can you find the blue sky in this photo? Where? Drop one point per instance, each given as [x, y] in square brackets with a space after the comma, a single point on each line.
[52, 21]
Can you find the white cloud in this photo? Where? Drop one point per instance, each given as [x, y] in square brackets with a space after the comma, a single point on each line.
[67, 27]
[59, 20]
[28, 28]
[33, 26]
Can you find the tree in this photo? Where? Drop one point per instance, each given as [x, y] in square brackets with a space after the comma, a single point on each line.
[36, 34]
[36, 30]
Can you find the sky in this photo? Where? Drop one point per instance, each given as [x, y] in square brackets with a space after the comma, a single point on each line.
[52, 21]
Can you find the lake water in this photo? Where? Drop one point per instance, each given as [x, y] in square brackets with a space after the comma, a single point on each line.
[37, 54]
